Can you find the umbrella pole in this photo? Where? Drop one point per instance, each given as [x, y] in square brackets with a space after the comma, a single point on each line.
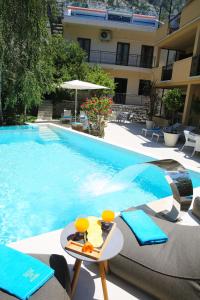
[75, 103]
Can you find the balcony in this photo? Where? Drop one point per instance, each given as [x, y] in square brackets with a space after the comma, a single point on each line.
[113, 58]
[174, 23]
[167, 72]
[195, 66]
[109, 17]
[181, 70]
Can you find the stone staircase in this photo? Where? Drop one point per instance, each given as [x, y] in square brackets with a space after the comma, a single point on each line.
[45, 111]
[137, 113]
[47, 135]
[55, 20]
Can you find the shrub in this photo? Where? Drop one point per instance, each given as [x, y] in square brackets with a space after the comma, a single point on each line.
[97, 110]
[173, 101]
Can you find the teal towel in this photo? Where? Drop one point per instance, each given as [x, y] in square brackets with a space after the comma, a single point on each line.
[145, 229]
[21, 274]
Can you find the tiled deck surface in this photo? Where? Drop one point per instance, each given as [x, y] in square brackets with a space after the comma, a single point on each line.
[130, 136]
[89, 286]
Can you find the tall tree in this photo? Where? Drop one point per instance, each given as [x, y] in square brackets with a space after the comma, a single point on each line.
[1, 64]
[25, 70]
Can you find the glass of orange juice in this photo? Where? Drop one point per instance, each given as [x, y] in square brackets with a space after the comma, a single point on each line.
[81, 224]
[107, 217]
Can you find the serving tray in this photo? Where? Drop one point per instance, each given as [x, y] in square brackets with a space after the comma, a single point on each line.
[76, 246]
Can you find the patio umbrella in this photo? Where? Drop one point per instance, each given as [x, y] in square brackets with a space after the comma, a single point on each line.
[81, 85]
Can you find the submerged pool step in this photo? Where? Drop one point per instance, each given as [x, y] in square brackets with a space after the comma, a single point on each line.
[47, 134]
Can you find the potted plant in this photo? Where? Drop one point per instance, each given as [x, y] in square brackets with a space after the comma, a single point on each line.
[150, 90]
[97, 111]
[173, 102]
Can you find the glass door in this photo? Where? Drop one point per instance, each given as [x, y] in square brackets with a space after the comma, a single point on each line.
[85, 45]
[120, 90]
[146, 58]
[122, 54]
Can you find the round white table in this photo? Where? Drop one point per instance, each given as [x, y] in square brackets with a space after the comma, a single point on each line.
[113, 247]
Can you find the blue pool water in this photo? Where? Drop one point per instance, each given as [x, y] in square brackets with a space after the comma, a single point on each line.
[49, 176]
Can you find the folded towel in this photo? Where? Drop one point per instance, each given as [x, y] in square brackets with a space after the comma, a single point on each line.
[145, 229]
[21, 274]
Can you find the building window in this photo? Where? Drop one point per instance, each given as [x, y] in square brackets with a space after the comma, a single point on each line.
[122, 55]
[144, 87]
[146, 58]
[119, 18]
[85, 45]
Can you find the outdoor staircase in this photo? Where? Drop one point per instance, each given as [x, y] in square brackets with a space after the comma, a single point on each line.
[47, 135]
[45, 111]
[55, 21]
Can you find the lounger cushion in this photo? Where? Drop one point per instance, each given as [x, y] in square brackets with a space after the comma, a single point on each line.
[166, 271]
[196, 207]
[57, 287]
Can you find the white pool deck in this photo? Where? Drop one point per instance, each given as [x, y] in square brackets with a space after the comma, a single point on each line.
[89, 286]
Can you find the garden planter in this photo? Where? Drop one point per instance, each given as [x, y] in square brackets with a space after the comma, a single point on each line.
[171, 138]
[149, 124]
[77, 126]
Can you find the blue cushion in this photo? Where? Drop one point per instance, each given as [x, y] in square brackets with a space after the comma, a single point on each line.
[21, 274]
[145, 229]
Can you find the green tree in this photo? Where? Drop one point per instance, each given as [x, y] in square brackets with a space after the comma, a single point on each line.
[173, 101]
[98, 76]
[26, 69]
[70, 64]
[69, 59]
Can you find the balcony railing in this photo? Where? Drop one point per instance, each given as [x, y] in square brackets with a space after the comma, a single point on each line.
[174, 23]
[167, 72]
[113, 58]
[122, 98]
[195, 66]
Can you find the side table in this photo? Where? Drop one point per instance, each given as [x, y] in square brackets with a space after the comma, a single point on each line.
[113, 247]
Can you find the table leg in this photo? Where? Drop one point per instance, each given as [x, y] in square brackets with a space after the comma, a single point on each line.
[106, 267]
[103, 280]
[77, 267]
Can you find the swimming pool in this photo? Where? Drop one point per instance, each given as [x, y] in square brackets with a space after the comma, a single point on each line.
[49, 176]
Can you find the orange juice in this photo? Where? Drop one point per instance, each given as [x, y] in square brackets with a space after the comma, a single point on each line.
[81, 224]
[108, 216]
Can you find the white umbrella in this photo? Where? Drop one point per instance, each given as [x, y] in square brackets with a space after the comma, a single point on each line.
[81, 85]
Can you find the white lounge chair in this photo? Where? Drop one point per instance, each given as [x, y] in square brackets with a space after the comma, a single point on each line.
[66, 116]
[190, 139]
[113, 116]
[84, 120]
[197, 145]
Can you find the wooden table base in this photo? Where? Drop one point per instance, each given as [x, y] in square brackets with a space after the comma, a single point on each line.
[77, 268]
[103, 269]
[103, 279]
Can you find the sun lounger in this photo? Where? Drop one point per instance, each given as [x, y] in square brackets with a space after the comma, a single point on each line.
[164, 271]
[66, 116]
[146, 131]
[58, 287]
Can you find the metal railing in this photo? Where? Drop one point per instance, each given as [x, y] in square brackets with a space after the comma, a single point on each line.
[167, 72]
[195, 66]
[123, 98]
[113, 58]
[174, 23]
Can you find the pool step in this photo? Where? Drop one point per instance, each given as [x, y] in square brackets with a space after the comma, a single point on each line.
[47, 134]
[45, 111]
